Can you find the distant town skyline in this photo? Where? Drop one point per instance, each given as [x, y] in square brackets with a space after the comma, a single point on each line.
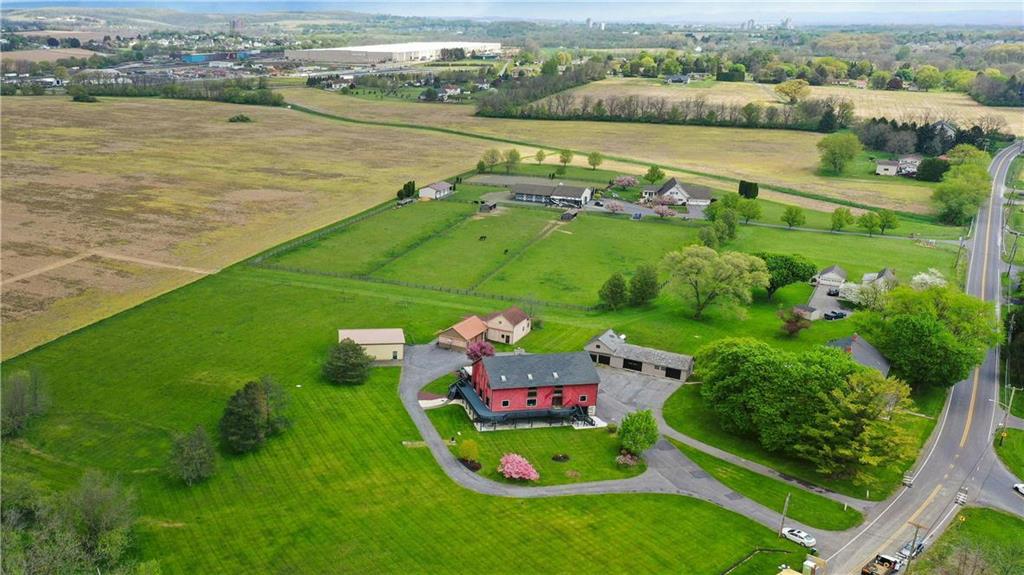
[804, 12]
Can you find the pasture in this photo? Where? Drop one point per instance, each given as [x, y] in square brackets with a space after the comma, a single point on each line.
[902, 105]
[111, 203]
[781, 158]
[338, 491]
[45, 55]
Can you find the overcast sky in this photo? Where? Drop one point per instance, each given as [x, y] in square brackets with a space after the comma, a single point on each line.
[948, 12]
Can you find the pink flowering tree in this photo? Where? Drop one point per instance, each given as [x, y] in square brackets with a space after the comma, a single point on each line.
[515, 466]
[478, 350]
[623, 182]
[613, 207]
[664, 211]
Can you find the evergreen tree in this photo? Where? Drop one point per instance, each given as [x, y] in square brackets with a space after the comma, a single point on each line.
[748, 189]
[243, 425]
[347, 364]
[828, 122]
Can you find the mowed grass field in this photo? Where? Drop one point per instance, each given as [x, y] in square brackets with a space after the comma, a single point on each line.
[783, 158]
[976, 529]
[172, 183]
[902, 105]
[338, 492]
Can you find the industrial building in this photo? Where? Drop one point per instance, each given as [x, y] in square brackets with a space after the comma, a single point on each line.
[384, 53]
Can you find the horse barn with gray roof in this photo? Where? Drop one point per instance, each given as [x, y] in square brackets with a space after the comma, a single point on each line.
[612, 350]
[552, 194]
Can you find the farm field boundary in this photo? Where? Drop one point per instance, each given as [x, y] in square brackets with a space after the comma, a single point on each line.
[627, 160]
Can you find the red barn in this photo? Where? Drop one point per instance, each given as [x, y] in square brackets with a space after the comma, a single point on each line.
[554, 387]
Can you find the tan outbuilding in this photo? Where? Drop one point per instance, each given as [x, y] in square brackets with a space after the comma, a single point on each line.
[459, 336]
[383, 344]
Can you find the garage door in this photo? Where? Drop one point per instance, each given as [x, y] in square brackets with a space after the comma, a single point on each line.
[632, 364]
[673, 373]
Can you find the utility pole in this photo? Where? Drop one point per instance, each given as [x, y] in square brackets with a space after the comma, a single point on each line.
[785, 508]
[913, 547]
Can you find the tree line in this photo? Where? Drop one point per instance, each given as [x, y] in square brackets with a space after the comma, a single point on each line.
[515, 93]
[235, 91]
[818, 114]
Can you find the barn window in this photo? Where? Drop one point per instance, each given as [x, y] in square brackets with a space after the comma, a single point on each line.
[504, 403]
[531, 403]
[583, 399]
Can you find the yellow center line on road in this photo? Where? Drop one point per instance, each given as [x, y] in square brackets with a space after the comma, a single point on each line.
[911, 519]
[984, 282]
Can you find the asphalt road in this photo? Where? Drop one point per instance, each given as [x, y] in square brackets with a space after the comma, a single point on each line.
[959, 455]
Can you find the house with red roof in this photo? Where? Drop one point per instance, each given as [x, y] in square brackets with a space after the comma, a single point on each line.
[459, 336]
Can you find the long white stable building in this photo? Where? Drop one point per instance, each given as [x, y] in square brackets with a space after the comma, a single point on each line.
[383, 53]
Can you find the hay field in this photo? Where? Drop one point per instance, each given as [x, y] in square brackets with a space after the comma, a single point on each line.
[867, 103]
[106, 205]
[46, 55]
[781, 157]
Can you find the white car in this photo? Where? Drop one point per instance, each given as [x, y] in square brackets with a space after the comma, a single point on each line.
[1019, 488]
[800, 537]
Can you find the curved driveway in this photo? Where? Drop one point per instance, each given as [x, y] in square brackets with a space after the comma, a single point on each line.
[958, 455]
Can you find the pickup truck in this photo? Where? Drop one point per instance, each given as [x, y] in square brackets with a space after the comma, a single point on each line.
[882, 565]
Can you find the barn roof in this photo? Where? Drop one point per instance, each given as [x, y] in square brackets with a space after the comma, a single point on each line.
[540, 370]
[616, 346]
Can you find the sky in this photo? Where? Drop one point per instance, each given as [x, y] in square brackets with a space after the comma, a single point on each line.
[934, 12]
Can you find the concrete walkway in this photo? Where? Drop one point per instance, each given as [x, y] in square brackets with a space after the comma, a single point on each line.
[668, 471]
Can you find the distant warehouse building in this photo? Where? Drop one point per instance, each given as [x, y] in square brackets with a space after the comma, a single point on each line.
[383, 53]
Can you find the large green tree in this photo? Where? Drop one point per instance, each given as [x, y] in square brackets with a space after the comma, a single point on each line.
[253, 413]
[702, 276]
[851, 429]
[838, 150]
[786, 269]
[793, 216]
[614, 294]
[193, 458]
[644, 285]
[841, 217]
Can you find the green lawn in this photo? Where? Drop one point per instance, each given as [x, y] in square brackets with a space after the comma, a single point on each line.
[995, 534]
[863, 168]
[686, 412]
[771, 213]
[465, 254]
[363, 246]
[1012, 451]
[591, 452]
[808, 508]
[338, 491]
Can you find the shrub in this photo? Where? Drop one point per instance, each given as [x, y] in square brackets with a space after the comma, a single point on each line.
[639, 431]
[469, 450]
[239, 118]
[613, 427]
[479, 350]
[627, 459]
[347, 364]
[560, 457]
[515, 466]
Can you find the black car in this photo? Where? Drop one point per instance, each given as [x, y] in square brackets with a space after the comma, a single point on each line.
[909, 551]
[834, 292]
[834, 314]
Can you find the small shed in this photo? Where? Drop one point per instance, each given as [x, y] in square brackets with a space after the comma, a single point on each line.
[382, 344]
[611, 349]
[488, 207]
[459, 336]
[436, 191]
[807, 312]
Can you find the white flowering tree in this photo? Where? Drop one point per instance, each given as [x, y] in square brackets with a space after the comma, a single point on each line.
[926, 280]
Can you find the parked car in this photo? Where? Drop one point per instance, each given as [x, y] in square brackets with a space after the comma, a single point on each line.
[910, 550]
[599, 204]
[1019, 488]
[831, 315]
[834, 292]
[799, 536]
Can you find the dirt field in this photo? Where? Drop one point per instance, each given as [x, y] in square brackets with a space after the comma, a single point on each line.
[781, 157]
[46, 55]
[108, 204]
[909, 105]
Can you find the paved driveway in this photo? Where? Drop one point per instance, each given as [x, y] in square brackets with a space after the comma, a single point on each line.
[824, 302]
